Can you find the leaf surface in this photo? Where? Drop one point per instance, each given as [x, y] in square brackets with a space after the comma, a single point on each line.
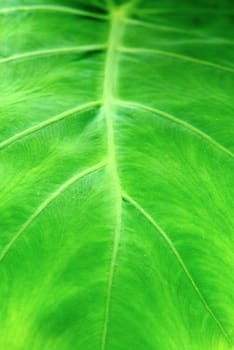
[116, 167]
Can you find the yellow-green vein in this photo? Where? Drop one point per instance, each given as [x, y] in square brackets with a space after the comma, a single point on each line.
[145, 51]
[47, 202]
[51, 8]
[207, 138]
[11, 140]
[110, 78]
[54, 52]
[178, 257]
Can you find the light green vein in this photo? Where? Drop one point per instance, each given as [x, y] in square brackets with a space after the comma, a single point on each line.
[48, 122]
[142, 51]
[178, 257]
[50, 52]
[209, 139]
[46, 203]
[199, 36]
[52, 8]
[140, 23]
[184, 11]
[110, 69]
[110, 78]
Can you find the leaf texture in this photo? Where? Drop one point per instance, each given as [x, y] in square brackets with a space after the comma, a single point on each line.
[116, 167]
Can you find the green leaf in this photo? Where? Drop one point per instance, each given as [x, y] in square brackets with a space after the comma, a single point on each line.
[116, 167]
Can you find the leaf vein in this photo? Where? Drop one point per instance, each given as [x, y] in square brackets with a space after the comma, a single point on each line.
[46, 203]
[185, 11]
[186, 125]
[142, 51]
[110, 70]
[50, 52]
[197, 36]
[178, 257]
[52, 8]
[48, 122]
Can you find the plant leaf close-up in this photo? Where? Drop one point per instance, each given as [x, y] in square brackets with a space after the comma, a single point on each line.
[116, 174]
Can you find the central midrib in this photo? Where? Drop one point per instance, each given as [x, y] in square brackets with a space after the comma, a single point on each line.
[110, 78]
[117, 19]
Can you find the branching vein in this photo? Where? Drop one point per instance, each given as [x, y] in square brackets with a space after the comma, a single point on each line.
[11, 140]
[54, 52]
[192, 36]
[142, 51]
[185, 11]
[178, 257]
[51, 8]
[170, 117]
[46, 203]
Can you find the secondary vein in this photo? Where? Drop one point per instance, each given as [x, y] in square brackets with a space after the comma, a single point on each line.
[47, 202]
[178, 257]
[51, 8]
[76, 110]
[142, 51]
[49, 52]
[186, 125]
